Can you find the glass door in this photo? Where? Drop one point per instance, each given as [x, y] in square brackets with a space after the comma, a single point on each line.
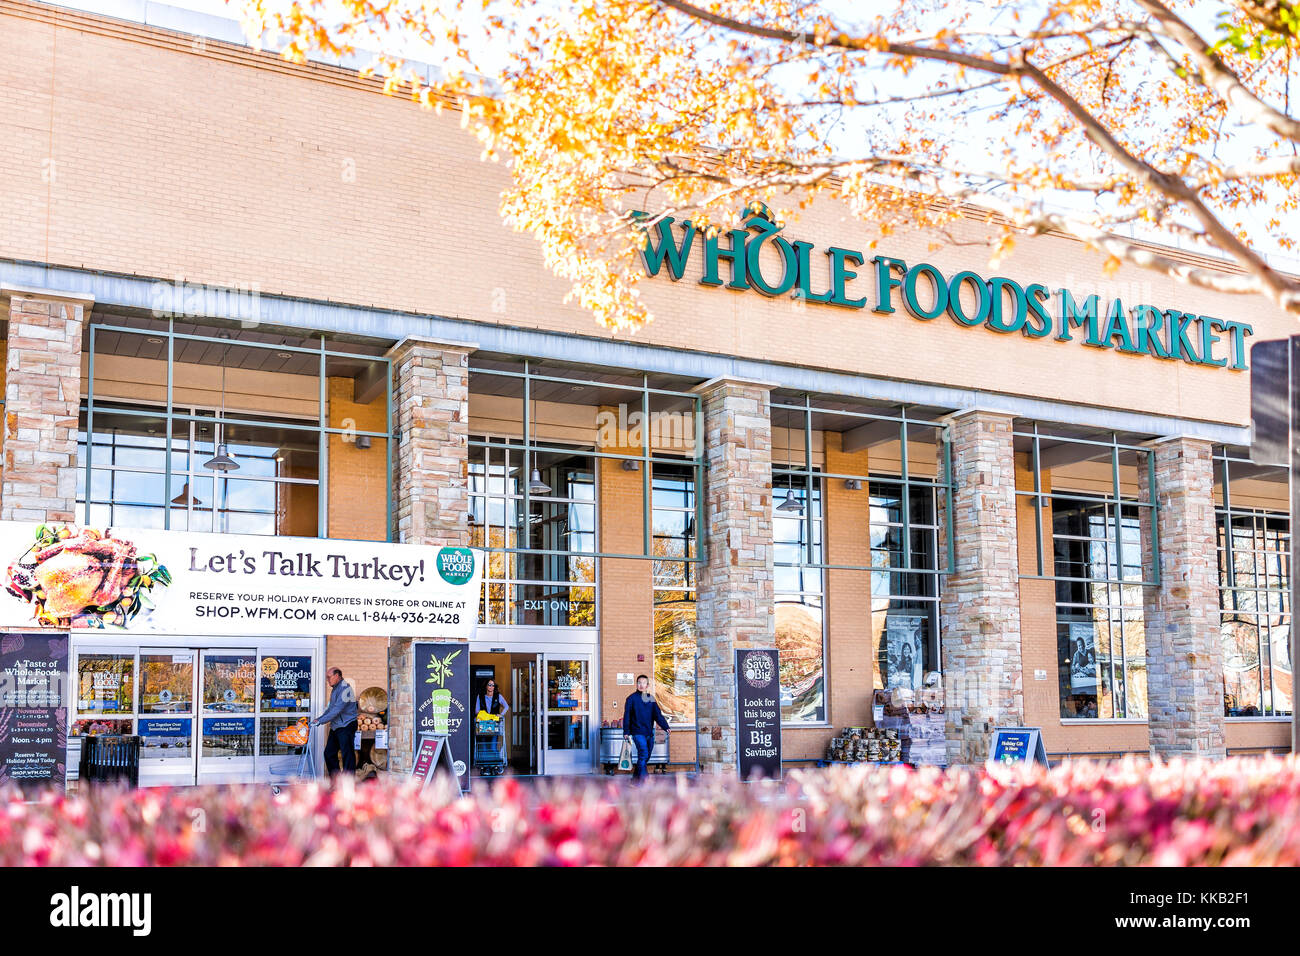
[166, 716]
[524, 730]
[284, 713]
[229, 700]
[567, 725]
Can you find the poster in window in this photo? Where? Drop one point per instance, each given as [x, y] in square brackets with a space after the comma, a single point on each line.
[903, 649]
[286, 682]
[1083, 659]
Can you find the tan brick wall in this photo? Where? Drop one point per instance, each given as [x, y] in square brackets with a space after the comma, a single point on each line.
[850, 653]
[358, 507]
[626, 604]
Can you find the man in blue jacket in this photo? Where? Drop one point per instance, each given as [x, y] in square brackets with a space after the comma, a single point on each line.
[341, 715]
[640, 714]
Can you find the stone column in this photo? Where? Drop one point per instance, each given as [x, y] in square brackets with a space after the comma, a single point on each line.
[735, 606]
[1184, 648]
[430, 491]
[42, 401]
[980, 599]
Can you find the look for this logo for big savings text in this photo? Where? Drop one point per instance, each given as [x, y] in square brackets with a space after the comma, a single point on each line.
[455, 565]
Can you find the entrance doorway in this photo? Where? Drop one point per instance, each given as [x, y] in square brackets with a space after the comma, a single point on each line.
[551, 713]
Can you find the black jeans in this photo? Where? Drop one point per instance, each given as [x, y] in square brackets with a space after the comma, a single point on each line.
[342, 739]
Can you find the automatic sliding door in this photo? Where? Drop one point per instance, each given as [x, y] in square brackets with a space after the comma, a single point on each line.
[229, 689]
[166, 721]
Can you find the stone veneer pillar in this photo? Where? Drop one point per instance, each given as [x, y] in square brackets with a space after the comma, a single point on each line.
[430, 491]
[42, 402]
[980, 598]
[1184, 649]
[735, 594]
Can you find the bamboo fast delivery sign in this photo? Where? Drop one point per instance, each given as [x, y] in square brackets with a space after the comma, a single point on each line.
[174, 582]
[1034, 310]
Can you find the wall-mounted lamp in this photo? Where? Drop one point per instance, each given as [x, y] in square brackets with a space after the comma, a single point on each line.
[853, 484]
[363, 441]
[631, 464]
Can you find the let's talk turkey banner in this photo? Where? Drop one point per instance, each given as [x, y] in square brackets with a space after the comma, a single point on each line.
[62, 576]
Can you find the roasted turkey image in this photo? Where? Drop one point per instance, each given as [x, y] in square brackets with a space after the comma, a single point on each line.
[83, 571]
[84, 578]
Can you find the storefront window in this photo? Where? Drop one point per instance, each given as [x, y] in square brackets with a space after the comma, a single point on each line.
[541, 434]
[160, 404]
[273, 492]
[1090, 497]
[800, 634]
[167, 683]
[1254, 542]
[881, 472]
[674, 591]
[904, 603]
[1101, 636]
[549, 578]
[105, 684]
[229, 683]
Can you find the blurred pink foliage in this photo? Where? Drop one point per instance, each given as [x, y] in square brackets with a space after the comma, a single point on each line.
[1233, 812]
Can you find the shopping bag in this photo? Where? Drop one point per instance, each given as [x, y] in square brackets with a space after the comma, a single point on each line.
[626, 757]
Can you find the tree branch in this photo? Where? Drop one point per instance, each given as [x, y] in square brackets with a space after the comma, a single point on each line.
[1219, 77]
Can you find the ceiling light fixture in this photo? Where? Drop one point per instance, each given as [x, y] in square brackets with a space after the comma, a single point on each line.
[222, 461]
[185, 499]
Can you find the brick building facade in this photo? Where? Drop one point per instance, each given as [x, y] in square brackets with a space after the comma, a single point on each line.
[303, 205]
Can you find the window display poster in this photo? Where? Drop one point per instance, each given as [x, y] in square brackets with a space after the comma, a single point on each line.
[442, 698]
[1083, 659]
[33, 716]
[903, 648]
[758, 713]
[286, 682]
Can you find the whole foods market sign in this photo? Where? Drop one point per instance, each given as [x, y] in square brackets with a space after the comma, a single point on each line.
[174, 582]
[736, 258]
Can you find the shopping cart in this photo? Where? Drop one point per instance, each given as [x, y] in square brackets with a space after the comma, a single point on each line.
[299, 765]
[489, 737]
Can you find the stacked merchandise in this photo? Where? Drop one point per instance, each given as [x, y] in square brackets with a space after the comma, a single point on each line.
[372, 707]
[918, 719]
[865, 745]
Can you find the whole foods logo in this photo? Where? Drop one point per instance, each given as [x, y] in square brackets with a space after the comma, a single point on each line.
[757, 669]
[455, 565]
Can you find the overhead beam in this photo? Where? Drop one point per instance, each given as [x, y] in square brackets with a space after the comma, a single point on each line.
[869, 434]
[1069, 453]
[1244, 471]
[370, 383]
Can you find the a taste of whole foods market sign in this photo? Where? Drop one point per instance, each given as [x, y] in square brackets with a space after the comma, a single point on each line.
[1033, 310]
[175, 582]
